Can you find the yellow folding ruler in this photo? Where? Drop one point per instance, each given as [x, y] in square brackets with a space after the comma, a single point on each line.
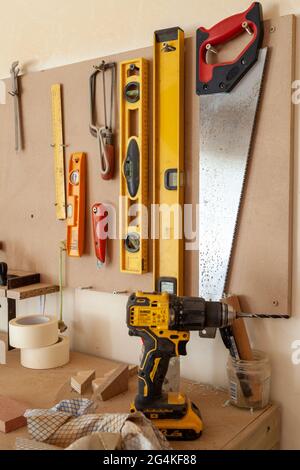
[168, 161]
[58, 146]
[134, 166]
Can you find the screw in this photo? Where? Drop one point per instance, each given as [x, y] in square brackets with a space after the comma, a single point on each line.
[247, 28]
[210, 48]
[272, 29]
[275, 303]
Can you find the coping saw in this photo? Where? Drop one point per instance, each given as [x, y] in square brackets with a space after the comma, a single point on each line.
[229, 101]
[104, 134]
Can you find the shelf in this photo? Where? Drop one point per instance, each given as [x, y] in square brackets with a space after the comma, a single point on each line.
[33, 290]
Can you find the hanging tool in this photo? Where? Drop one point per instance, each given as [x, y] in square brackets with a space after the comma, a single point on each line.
[61, 324]
[134, 165]
[229, 97]
[164, 322]
[76, 204]
[168, 162]
[104, 134]
[59, 158]
[100, 232]
[15, 93]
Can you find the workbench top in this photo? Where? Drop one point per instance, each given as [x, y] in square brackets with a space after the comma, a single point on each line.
[226, 427]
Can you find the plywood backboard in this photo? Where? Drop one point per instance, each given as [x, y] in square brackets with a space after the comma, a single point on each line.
[30, 233]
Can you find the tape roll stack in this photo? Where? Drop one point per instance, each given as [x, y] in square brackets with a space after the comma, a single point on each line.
[37, 337]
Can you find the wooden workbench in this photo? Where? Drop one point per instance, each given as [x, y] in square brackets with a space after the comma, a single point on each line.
[226, 427]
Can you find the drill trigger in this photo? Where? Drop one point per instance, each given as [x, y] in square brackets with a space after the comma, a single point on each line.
[182, 348]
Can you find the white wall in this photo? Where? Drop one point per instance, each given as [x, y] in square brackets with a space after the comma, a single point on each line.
[49, 33]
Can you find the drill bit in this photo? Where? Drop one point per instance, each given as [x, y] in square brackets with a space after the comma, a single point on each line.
[263, 316]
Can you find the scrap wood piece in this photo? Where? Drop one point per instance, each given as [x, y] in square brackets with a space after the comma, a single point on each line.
[11, 414]
[114, 384]
[82, 380]
[239, 330]
[243, 344]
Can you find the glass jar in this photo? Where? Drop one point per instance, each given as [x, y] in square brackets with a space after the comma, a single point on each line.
[249, 381]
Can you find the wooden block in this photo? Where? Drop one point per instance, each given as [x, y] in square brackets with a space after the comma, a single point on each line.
[114, 384]
[82, 380]
[11, 414]
[16, 281]
[3, 348]
[239, 330]
[33, 290]
[243, 344]
[133, 370]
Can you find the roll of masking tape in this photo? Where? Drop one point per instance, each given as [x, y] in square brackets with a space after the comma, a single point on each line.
[49, 357]
[35, 331]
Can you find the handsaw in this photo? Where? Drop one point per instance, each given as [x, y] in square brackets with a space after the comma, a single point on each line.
[228, 105]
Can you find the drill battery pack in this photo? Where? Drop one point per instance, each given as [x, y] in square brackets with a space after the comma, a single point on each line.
[174, 415]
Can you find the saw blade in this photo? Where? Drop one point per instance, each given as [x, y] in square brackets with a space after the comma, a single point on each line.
[226, 127]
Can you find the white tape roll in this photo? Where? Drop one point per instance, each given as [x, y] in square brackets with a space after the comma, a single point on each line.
[50, 357]
[35, 331]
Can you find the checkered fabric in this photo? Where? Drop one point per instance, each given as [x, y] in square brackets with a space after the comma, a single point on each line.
[30, 444]
[86, 425]
[74, 407]
[67, 422]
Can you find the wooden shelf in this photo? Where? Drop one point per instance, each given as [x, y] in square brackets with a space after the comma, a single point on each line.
[33, 290]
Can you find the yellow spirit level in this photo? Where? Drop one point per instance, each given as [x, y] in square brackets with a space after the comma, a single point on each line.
[134, 166]
[168, 161]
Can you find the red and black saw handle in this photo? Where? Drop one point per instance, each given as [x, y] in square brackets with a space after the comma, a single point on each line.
[223, 77]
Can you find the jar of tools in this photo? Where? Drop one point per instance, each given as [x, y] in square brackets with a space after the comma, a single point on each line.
[249, 381]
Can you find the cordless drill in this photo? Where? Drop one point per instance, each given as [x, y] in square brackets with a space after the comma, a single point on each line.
[164, 322]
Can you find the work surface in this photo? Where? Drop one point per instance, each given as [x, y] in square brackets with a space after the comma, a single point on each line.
[226, 427]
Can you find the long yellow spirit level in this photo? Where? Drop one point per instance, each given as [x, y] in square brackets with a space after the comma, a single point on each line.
[58, 146]
[134, 166]
[168, 161]
[76, 204]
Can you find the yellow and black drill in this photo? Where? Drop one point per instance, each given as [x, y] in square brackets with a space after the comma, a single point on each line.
[164, 322]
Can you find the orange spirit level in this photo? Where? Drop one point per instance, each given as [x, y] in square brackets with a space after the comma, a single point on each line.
[76, 204]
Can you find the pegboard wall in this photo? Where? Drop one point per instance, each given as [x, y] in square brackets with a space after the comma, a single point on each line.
[30, 233]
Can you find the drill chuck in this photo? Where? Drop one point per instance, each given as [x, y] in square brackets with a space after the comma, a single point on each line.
[195, 314]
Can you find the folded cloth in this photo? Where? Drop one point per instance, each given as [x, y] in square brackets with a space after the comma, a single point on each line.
[67, 422]
[31, 444]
